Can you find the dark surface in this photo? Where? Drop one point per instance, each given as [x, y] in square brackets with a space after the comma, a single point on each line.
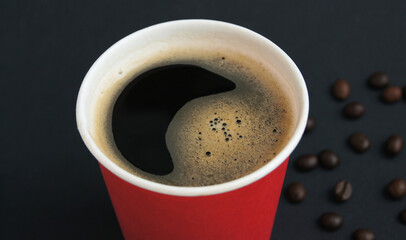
[50, 185]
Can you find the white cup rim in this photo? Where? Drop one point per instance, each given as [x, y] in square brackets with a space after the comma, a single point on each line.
[204, 190]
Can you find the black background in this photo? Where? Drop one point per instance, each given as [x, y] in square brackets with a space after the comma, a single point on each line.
[50, 185]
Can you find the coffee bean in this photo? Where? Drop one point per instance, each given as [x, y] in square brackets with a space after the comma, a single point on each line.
[311, 124]
[402, 216]
[359, 142]
[363, 234]
[295, 192]
[331, 221]
[391, 94]
[328, 159]
[341, 89]
[404, 92]
[378, 80]
[396, 188]
[307, 162]
[354, 110]
[343, 191]
[394, 145]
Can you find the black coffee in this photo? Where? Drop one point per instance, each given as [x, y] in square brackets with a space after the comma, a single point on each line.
[193, 117]
[145, 108]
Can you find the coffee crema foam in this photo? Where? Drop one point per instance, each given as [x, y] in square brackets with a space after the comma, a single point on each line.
[216, 138]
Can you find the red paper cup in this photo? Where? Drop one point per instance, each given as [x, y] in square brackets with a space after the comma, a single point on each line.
[240, 209]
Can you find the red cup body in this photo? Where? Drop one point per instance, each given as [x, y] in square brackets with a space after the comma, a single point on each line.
[244, 213]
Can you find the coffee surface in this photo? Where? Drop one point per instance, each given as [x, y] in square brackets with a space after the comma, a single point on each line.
[197, 120]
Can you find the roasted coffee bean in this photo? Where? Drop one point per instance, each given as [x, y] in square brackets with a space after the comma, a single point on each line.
[402, 216]
[343, 191]
[331, 221]
[391, 94]
[396, 188]
[354, 110]
[363, 234]
[311, 124]
[404, 92]
[328, 159]
[378, 80]
[341, 89]
[295, 192]
[359, 142]
[394, 145]
[306, 162]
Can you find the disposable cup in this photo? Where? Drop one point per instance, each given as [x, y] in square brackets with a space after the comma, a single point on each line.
[240, 209]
